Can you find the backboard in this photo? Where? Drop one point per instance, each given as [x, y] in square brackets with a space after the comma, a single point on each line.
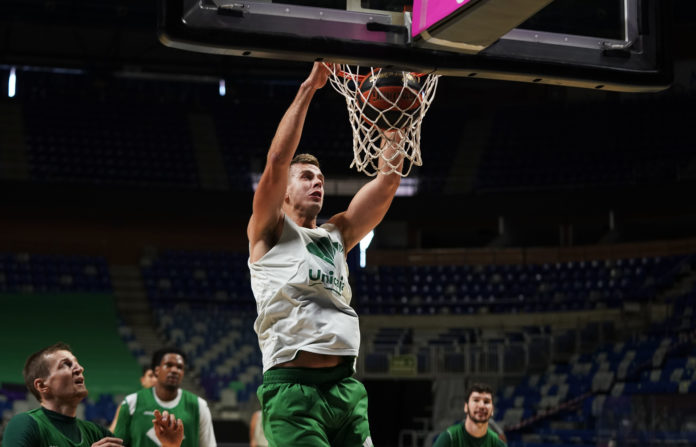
[620, 45]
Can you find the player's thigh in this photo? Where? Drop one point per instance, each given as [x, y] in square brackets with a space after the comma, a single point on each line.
[355, 431]
[292, 416]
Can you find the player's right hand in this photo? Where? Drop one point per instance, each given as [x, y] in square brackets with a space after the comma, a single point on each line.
[109, 442]
[319, 75]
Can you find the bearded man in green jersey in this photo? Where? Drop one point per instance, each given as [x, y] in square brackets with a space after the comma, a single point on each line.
[55, 377]
[474, 431]
[169, 365]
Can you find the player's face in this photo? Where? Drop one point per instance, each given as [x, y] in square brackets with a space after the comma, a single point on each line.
[148, 380]
[170, 371]
[65, 381]
[480, 407]
[305, 187]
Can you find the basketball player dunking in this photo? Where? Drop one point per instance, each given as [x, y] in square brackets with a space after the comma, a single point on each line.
[308, 333]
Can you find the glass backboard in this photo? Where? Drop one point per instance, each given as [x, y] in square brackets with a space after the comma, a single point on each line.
[620, 45]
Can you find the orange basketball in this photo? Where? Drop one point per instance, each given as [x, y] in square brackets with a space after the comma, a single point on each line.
[392, 98]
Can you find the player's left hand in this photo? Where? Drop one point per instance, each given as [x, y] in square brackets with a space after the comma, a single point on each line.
[168, 429]
[109, 442]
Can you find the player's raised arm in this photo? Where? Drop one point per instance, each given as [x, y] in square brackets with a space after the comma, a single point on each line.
[265, 223]
[371, 202]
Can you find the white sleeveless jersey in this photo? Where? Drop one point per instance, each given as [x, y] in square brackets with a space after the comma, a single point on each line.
[303, 296]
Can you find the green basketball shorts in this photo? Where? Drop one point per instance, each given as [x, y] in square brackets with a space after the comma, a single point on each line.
[314, 407]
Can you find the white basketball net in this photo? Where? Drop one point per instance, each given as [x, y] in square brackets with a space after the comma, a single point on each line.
[396, 139]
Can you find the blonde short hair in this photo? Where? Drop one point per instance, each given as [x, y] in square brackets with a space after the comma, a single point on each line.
[305, 158]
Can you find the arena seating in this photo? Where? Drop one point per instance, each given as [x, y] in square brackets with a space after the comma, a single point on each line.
[24, 273]
[203, 303]
[597, 393]
[221, 344]
[125, 144]
[214, 286]
[76, 294]
[221, 277]
[433, 290]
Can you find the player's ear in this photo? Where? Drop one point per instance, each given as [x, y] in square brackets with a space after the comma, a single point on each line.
[40, 385]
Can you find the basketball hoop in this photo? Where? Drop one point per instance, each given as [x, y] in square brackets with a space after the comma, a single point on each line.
[380, 105]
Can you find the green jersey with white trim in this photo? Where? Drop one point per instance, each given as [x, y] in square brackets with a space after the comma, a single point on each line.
[134, 423]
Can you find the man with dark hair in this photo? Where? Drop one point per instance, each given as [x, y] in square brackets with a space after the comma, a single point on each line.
[309, 334]
[54, 376]
[168, 365]
[158, 355]
[474, 431]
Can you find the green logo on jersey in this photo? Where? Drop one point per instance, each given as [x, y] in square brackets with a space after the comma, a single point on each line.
[331, 282]
[324, 249]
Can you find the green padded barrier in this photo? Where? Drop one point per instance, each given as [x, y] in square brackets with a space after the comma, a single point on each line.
[87, 322]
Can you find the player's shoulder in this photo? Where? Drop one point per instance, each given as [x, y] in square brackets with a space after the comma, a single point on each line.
[454, 430]
[202, 403]
[497, 442]
[22, 429]
[458, 427]
[131, 400]
[133, 397]
[143, 391]
[194, 397]
[22, 419]
[445, 438]
[188, 393]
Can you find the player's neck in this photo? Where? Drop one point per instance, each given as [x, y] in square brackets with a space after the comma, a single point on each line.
[476, 429]
[64, 408]
[165, 394]
[303, 220]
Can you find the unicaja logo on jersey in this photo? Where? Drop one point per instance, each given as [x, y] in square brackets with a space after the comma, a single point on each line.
[325, 250]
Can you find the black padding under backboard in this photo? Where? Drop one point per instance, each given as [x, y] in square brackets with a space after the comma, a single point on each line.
[630, 53]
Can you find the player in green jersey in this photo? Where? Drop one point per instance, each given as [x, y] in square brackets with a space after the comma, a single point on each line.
[147, 380]
[134, 426]
[55, 377]
[474, 431]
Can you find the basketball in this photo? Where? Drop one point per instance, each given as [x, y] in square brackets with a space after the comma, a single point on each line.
[389, 99]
